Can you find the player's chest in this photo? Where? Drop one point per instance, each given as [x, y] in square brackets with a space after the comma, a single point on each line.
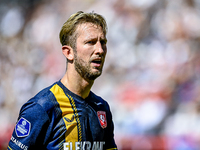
[82, 123]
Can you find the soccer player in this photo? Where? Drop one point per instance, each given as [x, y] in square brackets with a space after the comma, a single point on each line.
[67, 115]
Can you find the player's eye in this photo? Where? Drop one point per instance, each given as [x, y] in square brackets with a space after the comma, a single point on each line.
[103, 42]
[92, 42]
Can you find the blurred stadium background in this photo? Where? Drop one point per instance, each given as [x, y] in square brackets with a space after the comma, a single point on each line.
[151, 77]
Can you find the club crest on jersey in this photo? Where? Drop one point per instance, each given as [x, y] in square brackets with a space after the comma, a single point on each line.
[23, 127]
[102, 118]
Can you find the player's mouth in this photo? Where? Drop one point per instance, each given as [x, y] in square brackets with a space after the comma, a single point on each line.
[97, 62]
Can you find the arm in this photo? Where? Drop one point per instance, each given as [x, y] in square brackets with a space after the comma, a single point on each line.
[31, 128]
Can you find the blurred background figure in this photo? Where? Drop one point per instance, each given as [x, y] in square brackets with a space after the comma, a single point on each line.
[151, 74]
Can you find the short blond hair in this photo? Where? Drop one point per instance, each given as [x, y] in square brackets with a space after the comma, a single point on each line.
[67, 33]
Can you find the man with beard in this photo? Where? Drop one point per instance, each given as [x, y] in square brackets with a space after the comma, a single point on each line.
[67, 115]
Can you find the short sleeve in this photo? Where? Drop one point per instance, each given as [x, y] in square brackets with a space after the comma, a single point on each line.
[31, 130]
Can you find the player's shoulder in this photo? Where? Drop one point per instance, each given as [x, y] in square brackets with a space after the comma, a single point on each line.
[98, 99]
[42, 100]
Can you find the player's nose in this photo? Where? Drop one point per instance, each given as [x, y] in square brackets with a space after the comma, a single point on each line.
[100, 48]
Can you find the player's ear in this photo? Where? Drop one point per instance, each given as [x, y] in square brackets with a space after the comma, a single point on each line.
[68, 52]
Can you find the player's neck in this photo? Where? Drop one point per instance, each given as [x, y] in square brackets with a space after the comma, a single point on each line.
[77, 84]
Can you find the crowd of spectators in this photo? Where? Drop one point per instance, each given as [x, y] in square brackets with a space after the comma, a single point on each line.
[151, 76]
